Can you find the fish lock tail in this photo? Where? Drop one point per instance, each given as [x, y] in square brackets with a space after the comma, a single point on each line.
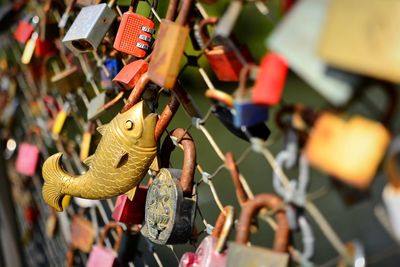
[53, 173]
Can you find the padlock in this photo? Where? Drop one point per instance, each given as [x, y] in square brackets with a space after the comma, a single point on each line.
[27, 159]
[131, 211]
[68, 80]
[129, 75]
[247, 113]
[29, 49]
[89, 28]
[391, 191]
[60, 120]
[211, 252]
[135, 32]
[270, 80]
[100, 103]
[25, 29]
[45, 48]
[101, 256]
[86, 140]
[239, 254]
[82, 233]
[349, 150]
[169, 48]
[224, 61]
[171, 198]
[113, 67]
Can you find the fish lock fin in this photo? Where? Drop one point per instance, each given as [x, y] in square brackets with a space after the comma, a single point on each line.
[155, 165]
[101, 129]
[53, 173]
[88, 161]
[131, 193]
[121, 159]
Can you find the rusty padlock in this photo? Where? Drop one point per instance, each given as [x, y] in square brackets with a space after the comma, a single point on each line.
[130, 74]
[135, 32]
[224, 61]
[350, 150]
[239, 254]
[211, 252]
[82, 233]
[169, 47]
[171, 198]
[101, 256]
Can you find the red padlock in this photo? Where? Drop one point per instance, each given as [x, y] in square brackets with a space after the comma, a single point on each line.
[135, 33]
[27, 159]
[130, 74]
[25, 29]
[45, 48]
[223, 59]
[131, 211]
[211, 252]
[100, 256]
[270, 80]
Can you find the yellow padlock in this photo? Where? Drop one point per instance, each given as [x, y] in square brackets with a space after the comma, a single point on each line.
[60, 120]
[348, 150]
[86, 140]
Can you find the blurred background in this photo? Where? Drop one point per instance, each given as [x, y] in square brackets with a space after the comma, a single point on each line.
[342, 56]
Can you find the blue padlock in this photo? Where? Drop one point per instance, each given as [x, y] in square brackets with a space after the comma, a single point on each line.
[113, 66]
[246, 112]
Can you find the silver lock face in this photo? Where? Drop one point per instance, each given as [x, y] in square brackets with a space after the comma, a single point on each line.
[89, 28]
[95, 107]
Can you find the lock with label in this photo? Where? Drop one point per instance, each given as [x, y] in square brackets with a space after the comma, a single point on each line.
[211, 251]
[113, 67]
[350, 150]
[239, 254]
[169, 48]
[224, 61]
[27, 159]
[82, 233]
[89, 28]
[68, 80]
[131, 211]
[130, 74]
[101, 256]
[171, 198]
[25, 29]
[270, 80]
[391, 191]
[247, 113]
[135, 32]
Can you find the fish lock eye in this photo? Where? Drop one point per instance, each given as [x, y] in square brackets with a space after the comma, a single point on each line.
[129, 125]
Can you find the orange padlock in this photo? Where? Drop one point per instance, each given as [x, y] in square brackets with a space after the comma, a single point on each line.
[350, 150]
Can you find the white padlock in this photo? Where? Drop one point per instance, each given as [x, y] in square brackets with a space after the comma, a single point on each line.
[391, 192]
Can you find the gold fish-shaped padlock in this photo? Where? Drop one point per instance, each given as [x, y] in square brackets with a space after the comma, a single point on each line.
[123, 156]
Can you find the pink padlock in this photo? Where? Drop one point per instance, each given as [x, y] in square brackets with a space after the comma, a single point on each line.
[211, 252]
[131, 211]
[101, 256]
[27, 159]
[270, 80]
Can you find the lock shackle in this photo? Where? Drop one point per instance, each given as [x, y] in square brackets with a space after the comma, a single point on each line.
[391, 169]
[107, 228]
[189, 156]
[205, 37]
[167, 114]
[133, 5]
[184, 12]
[252, 207]
[244, 75]
[220, 96]
[223, 226]
[233, 169]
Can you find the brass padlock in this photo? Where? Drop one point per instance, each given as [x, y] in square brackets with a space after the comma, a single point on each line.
[169, 48]
[171, 198]
[239, 254]
[89, 28]
[121, 160]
